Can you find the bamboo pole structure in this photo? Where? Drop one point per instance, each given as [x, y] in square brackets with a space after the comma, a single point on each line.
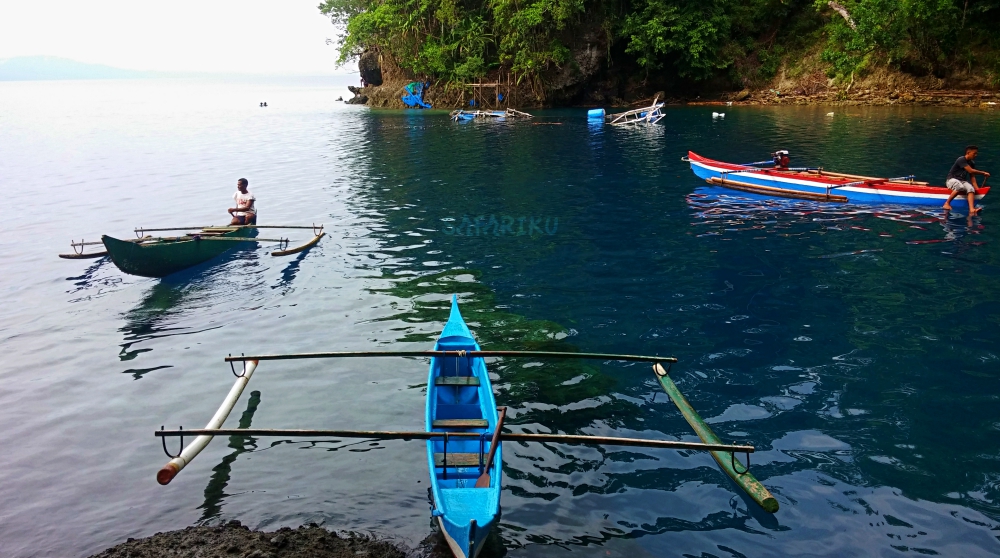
[174, 466]
[746, 481]
[649, 115]
[423, 435]
[83, 256]
[537, 354]
[298, 249]
[226, 238]
[140, 230]
[779, 192]
[822, 172]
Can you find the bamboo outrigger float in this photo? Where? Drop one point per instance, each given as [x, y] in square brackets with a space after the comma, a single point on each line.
[150, 256]
[464, 431]
[646, 115]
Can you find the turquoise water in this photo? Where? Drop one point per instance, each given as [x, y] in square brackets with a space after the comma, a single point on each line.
[854, 346]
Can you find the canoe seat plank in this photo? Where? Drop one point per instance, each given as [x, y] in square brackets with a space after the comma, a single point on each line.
[456, 381]
[457, 460]
[460, 423]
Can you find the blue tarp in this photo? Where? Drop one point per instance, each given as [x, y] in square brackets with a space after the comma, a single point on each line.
[415, 95]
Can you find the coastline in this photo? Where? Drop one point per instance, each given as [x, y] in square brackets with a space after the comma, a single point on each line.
[383, 97]
[805, 84]
[871, 97]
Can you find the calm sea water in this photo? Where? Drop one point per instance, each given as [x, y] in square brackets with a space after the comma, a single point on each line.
[856, 347]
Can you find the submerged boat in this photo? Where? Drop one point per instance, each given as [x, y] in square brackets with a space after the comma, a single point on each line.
[159, 257]
[466, 115]
[645, 115]
[464, 430]
[460, 399]
[814, 183]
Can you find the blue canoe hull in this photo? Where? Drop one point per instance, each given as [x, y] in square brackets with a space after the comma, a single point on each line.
[465, 514]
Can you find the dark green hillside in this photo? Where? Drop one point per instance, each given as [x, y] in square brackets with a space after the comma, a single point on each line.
[577, 50]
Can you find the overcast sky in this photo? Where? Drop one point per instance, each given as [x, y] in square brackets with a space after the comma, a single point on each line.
[240, 36]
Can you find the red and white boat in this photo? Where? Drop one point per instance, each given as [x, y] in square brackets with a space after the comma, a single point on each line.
[818, 184]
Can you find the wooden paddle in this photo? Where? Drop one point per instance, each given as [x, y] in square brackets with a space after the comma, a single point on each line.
[484, 479]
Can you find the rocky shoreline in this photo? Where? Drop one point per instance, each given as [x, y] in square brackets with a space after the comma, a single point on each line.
[387, 96]
[238, 541]
[383, 86]
[872, 97]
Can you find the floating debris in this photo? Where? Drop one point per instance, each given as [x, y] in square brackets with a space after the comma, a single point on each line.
[854, 253]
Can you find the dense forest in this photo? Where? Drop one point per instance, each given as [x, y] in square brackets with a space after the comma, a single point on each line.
[732, 44]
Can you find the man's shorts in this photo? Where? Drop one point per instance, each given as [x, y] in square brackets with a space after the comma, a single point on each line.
[246, 218]
[960, 186]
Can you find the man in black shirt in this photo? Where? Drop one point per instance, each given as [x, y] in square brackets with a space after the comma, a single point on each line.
[962, 180]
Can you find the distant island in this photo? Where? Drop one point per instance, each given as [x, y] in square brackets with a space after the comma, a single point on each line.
[51, 68]
[30, 68]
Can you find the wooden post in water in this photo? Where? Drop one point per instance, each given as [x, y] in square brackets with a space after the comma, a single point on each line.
[746, 481]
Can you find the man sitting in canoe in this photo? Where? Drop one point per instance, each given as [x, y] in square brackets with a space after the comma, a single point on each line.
[244, 213]
[962, 180]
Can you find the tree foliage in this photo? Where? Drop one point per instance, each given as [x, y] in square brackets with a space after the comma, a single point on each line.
[462, 40]
[920, 36]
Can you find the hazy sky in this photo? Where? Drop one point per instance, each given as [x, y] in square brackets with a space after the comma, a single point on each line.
[243, 36]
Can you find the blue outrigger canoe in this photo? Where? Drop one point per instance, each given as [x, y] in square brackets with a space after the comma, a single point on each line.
[462, 423]
[460, 399]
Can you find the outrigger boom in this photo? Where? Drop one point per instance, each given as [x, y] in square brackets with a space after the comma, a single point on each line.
[471, 354]
[422, 435]
[723, 453]
[141, 230]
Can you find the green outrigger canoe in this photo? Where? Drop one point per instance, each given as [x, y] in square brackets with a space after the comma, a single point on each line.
[149, 256]
[159, 257]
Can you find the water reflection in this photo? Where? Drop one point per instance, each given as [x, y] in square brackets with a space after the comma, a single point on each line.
[289, 272]
[718, 211]
[101, 275]
[166, 307]
[215, 491]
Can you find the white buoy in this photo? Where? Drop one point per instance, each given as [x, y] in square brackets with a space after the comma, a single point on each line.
[829, 114]
[718, 115]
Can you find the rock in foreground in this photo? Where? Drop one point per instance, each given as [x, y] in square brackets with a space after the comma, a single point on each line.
[236, 540]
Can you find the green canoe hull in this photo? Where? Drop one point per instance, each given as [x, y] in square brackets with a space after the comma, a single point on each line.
[168, 256]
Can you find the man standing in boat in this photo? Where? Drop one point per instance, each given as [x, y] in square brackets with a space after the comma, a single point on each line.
[244, 213]
[962, 179]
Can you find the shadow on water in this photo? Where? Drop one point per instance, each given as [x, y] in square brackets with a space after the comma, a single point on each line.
[170, 300]
[289, 272]
[100, 275]
[215, 491]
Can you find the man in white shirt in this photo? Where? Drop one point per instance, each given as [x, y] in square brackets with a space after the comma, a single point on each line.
[244, 213]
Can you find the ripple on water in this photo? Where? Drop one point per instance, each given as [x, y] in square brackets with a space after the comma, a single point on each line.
[847, 427]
